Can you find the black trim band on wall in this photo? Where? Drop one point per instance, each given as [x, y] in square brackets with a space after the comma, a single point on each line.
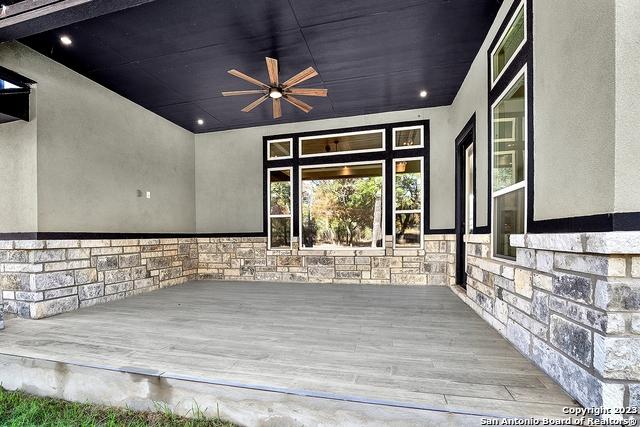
[433, 231]
[388, 154]
[623, 221]
[69, 235]
[620, 221]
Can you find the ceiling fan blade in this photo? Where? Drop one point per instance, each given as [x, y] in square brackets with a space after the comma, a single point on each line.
[300, 77]
[307, 92]
[277, 108]
[297, 103]
[244, 92]
[255, 103]
[272, 68]
[249, 79]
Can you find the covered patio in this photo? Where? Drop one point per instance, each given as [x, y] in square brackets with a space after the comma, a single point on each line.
[284, 354]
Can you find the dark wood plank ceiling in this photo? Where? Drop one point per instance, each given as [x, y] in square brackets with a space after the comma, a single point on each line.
[372, 55]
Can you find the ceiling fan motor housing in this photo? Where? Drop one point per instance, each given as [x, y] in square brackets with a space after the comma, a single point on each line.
[275, 92]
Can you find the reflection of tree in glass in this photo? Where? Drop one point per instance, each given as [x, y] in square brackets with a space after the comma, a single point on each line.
[310, 230]
[407, 191]
[408, 229]
[341, 211]
[280, 232]
[280, 195]
[407, 198]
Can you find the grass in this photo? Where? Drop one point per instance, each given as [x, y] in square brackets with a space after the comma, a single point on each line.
[19, 409]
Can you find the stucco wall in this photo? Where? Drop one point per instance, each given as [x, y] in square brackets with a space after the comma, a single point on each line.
[574, 47]
[229, 169]
[627, 185]
[95, 149]
[18, 181]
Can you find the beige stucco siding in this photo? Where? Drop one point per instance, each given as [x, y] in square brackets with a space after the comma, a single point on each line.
[95, 149]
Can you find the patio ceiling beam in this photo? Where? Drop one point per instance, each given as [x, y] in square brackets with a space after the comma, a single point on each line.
[28, 17]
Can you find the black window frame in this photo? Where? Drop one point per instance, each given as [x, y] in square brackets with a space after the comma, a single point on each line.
[387, 155]
[523, 58]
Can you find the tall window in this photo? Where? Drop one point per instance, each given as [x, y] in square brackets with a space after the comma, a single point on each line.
[408, 202]
[509, 140]
[280, 210]
[342, 206]
[510, 43]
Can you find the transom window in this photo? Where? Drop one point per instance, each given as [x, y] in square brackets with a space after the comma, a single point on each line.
[346, 190]
[280, 149]
[408, 137]
[510, 43]
[342, 143]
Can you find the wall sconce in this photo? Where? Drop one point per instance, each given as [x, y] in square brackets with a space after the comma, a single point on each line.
[401, 167]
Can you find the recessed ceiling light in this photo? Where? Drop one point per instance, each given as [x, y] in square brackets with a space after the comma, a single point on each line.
[65, 40]
[423, 94]
[200, 122]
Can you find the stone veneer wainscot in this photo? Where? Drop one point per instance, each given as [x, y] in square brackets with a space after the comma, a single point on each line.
[249, 259]
[41, 278]
[571, 304]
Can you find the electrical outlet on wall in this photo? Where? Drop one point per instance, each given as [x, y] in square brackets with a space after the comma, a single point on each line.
[145, 194]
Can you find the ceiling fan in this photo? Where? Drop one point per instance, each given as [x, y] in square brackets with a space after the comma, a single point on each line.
[276, 90]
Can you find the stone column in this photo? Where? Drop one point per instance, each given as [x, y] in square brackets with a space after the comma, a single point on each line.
[569, 302]
[593, 305]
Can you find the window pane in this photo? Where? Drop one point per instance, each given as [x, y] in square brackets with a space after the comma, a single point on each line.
[279, 149]
[7, 85]
[342, 143]
[280, 232]
[408, 185]
[468, 186]
[408, 230]
[509, 219]
[342, 206]
[280, 192]
[509, 45]
[509, 137]
[408, 137]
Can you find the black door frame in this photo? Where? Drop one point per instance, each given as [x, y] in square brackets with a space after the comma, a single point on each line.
[465, 138]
